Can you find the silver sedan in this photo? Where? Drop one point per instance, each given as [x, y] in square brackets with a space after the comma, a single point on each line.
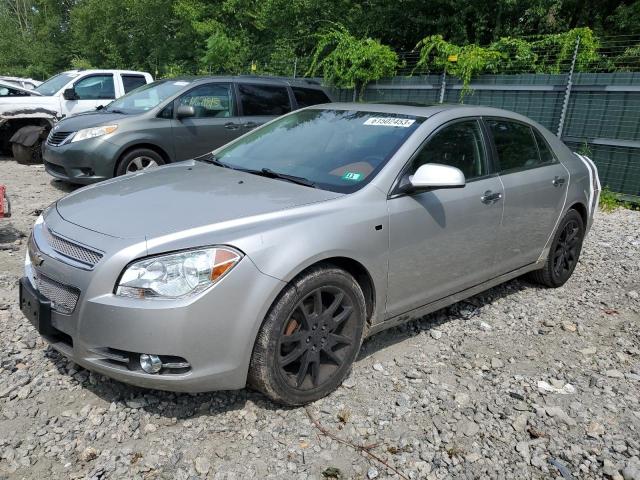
[267, 262]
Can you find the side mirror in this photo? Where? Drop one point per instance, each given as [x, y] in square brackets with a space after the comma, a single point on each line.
[185, 111]
[70, 94]
[435, 175]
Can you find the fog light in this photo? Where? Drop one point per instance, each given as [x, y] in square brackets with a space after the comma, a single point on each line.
[150, 363]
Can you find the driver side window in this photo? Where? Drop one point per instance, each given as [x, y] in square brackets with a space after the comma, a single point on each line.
[459, 145]
[95, 87]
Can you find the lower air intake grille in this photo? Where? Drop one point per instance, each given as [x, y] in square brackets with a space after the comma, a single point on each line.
[63, 298]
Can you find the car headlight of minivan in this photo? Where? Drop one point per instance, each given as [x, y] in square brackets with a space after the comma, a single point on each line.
[178, 274]
[93, 132]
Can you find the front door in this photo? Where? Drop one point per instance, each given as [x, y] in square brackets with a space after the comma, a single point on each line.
[443, 241]
[535, 189]
[214, 124]
[91, 92]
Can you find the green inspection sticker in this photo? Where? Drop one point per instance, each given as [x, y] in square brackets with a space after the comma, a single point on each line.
[353, 176]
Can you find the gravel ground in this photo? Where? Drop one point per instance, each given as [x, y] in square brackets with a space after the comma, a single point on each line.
[518, 382]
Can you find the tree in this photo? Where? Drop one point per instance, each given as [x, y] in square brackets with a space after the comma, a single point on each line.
[349, 62]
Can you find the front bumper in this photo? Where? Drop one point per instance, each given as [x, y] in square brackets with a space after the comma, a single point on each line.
[84, 162]
[214, 331]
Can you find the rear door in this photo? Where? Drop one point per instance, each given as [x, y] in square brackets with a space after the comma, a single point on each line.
[535, 189]
[214, 124]
[260, 103]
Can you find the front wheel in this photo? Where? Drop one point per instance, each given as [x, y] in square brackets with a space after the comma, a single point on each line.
[310, 337]
[564, 252]
[27, 155]
[138, 160]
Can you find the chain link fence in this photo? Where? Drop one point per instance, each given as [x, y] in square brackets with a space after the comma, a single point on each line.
[594, 107]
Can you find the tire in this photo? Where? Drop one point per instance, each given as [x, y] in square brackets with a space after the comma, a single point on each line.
[138, 160]
[27, 155]
[294, 338]
[563, 254]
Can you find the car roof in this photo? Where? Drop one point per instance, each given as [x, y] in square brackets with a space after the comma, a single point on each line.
[426, 110]
[266, 80]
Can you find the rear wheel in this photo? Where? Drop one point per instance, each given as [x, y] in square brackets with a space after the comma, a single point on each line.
[139, 160]
[564, 252]
[310, 337]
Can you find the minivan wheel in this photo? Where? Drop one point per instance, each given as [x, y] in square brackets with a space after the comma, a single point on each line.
[310, 337]
[564, 252]
[138, 160]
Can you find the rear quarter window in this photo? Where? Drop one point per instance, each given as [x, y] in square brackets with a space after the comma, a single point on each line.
[305, 97]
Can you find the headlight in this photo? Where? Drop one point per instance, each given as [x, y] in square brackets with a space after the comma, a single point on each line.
[93, 132]
[178, 274]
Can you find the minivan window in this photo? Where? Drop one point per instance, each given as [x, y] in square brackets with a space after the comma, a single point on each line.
[337, 150]
[264, 99]
[515, 145]
[459, 145]
[95, 87]
[309, 96]
[212, 100]
[148, 96]
[131, 82]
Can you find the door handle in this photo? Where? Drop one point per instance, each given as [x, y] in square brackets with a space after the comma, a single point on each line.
[231, 126]
[250, 125]
[558, 181]
[490, 197]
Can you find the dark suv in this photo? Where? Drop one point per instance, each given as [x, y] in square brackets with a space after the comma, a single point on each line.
[167, 121]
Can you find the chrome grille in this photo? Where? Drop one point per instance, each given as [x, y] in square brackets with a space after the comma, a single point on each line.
[72, 250]
[57, 138]
[63, 298]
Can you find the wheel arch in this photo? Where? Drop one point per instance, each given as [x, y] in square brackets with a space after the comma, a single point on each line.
[582, 210]
[357, 270]
[151, 146]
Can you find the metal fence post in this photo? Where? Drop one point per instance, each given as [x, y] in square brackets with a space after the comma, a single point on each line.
[443, 85]
[567, 93]
[295, 67]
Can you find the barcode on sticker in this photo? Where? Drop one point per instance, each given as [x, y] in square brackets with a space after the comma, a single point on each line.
[390, 122]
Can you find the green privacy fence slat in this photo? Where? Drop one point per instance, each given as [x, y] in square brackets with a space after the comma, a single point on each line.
[594, 113]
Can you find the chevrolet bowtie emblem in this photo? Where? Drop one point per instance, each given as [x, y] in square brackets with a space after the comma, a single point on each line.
[34, 254]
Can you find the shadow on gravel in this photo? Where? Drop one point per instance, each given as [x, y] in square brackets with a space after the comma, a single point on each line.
[189, 406]
[9, 234]
[465, 309]
[64, 186]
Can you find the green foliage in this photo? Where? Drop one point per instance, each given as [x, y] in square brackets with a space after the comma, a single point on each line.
[349, 62]
[547, 54]
[608, 200]
[225, 54]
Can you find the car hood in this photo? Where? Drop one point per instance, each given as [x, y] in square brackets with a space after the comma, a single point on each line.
[89, 119]
[179, 197]
[24, 106]
[26, 91]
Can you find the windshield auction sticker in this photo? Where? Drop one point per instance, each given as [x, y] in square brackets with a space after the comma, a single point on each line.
[353, 176]
[390, 122]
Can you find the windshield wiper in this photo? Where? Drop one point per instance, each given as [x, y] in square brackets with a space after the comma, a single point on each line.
[267, 172]
[113, 110]
[212, 159]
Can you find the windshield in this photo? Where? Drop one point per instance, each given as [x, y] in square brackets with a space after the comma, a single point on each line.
[55, 83]
[147, 97]
[337, 150]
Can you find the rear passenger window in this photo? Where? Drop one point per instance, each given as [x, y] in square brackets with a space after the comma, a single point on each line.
[309, 96]
[546, 155]
[264, 99]
[515, 145]
[131, 82]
